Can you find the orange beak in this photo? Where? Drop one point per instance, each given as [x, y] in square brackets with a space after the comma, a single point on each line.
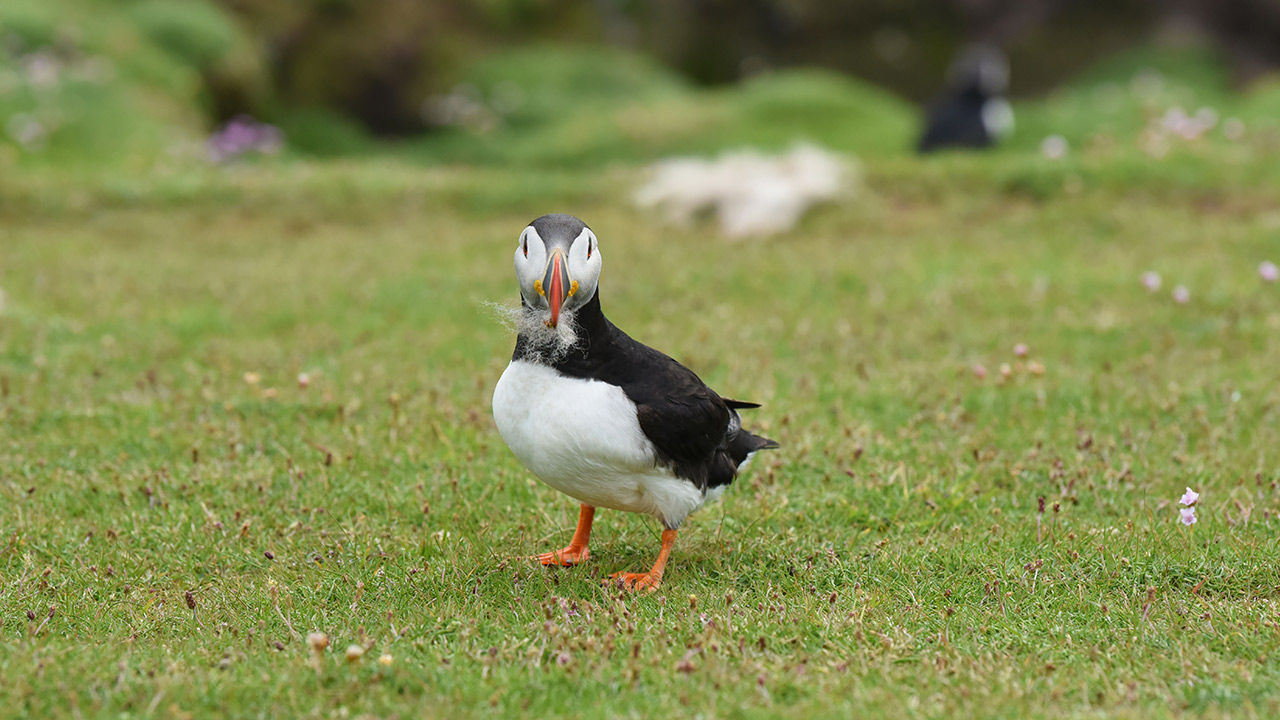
[556, 284]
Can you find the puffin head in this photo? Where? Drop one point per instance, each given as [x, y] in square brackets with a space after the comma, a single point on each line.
[983, 68]
[557, 264]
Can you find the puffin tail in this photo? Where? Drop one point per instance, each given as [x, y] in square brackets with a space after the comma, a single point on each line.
[745, 445]
[742, 443]
[766, 443]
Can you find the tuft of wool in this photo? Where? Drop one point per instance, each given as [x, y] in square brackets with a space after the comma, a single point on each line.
[548, 344]
[749, 192]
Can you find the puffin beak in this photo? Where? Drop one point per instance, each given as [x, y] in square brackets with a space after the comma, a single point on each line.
[555, 284]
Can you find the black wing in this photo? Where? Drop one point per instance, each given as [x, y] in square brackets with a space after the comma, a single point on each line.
[684, 419]
[695, 432]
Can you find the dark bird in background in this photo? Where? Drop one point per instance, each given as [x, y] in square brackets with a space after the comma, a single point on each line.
[972, 111]
[600, 417]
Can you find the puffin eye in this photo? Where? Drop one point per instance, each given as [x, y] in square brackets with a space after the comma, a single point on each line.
[524, 244]
[590, 244]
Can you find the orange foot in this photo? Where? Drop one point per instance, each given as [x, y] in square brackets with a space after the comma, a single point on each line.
[577, 550]
[647, 581]
[564, 558]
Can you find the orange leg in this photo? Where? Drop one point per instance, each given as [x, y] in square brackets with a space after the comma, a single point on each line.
[577, 551]
[652, 579]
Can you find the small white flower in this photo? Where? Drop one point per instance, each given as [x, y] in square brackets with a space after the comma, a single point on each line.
[1181, 295]
[1151, 280]
[1054, 147]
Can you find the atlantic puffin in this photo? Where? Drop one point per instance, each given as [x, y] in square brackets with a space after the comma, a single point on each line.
[972, 111]
[601, 417]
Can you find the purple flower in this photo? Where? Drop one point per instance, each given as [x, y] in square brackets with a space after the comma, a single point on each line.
[243, 135]
[1181, 295]
[1151, 280]
[1020, 350]
[1188, 515]
[1268, 271]
[1189, 498]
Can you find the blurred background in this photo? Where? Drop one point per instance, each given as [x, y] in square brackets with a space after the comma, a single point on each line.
[147, 84]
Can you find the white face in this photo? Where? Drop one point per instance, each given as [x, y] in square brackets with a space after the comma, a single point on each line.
[534, 269]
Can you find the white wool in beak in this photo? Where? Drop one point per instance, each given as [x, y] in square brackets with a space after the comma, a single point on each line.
[548, 344]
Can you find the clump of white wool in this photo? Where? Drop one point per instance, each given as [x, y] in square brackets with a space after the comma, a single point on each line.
[547, 344]
[749, 192]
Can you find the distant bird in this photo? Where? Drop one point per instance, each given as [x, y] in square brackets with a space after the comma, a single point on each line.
[972, 111]
[601, 417]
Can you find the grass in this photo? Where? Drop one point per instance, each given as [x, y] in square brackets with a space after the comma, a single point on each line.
[888, 559]
[177, 513]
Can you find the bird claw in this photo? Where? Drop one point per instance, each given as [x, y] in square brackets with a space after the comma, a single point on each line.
[646, 581]
[564, 558]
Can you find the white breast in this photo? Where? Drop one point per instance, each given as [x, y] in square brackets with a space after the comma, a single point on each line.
[997, 117]
[582, 437]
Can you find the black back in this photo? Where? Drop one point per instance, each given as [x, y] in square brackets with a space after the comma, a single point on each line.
[955, 120]
[697, 433]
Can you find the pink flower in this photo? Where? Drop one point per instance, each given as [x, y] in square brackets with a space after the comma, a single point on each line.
[1268, 271]
[1020, 350]
[979, 371]
[1151, 280]
[1188, 515]
[244, 135]
[1189, 498]
[1181, 295]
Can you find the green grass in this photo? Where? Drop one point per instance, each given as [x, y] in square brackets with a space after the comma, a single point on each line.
[888, 561]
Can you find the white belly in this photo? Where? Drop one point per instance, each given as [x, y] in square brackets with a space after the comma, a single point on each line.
[582, 438]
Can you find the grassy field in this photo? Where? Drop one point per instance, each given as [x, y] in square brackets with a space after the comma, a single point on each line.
[178, 512]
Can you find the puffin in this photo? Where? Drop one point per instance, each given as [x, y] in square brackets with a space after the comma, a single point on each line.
[972, 111]
[601, 417]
